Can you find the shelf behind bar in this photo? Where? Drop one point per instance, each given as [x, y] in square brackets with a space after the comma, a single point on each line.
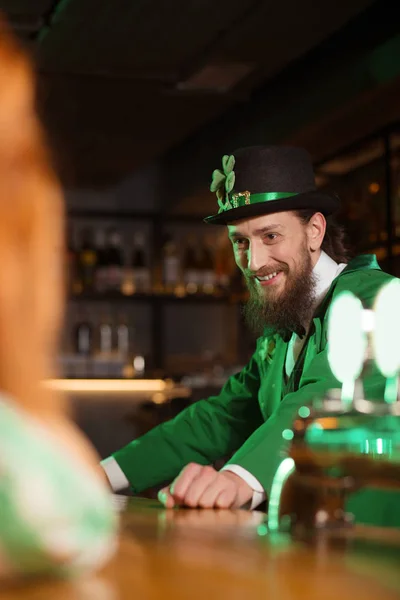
[156, 298]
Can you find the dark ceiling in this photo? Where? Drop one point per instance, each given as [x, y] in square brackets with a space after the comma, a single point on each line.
[122, 82]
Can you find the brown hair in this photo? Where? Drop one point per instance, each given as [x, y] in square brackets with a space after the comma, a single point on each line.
[31, 239]
[334, 243]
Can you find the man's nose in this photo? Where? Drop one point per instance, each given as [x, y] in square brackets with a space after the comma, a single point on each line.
[256, 257]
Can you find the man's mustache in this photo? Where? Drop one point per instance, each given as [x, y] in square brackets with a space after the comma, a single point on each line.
[265, 271]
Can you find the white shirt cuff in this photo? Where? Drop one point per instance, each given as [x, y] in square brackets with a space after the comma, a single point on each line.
[258, 491]
[115, 474]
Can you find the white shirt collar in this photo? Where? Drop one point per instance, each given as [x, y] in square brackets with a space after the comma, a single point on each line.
[325, 270]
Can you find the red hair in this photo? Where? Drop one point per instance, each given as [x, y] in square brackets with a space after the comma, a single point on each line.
[31, 239]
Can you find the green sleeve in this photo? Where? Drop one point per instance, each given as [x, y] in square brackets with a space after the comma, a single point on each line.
[264, 450]
[202, 433]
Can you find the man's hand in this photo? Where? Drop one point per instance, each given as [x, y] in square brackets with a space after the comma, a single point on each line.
[204, 487]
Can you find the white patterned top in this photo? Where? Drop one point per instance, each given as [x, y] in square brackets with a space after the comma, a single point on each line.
[55, 515]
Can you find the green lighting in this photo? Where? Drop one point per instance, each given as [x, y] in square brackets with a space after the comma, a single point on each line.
[346, 342]
[304, 412]
[391, 389]
[386, 337]
[262, 530]
[287, 434]
[285, 469]
[316, 427]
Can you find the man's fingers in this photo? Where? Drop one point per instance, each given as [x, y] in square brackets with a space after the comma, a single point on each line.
[211, 493]
[166, 498]
[227, 498]
[200, 484]
[204, 487]
[180, 486]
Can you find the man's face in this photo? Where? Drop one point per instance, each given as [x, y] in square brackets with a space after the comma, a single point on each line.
[274, 253]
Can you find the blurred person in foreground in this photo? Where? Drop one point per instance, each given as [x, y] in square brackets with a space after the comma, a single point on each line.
[295, 263]
[56, 516]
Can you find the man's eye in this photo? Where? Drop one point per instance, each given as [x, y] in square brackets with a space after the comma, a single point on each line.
[240, 243]
[271, 237]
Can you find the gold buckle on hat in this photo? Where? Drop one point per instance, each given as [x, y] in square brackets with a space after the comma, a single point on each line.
[235, 198]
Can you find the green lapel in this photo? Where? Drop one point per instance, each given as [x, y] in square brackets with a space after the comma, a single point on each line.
[309, 349]
[359, 263]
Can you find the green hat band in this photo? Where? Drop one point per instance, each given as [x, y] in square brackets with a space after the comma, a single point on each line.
[236, 200]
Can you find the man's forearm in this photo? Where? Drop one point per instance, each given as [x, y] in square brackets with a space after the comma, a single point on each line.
[202, 433]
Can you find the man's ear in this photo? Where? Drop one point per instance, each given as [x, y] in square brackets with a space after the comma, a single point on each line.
[316, 228]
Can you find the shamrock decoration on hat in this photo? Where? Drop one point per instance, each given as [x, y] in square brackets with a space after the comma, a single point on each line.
[223, 181]
[267, 179]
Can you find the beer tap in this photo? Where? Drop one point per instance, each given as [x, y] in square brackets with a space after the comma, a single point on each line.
[344, 441]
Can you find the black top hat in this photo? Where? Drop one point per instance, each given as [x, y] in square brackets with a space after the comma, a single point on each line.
[264, 179]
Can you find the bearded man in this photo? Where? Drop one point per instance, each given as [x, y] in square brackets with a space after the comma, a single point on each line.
[295, 263]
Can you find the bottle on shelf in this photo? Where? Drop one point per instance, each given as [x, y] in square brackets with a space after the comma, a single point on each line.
[223, 267]
[83, 346]
[207, 271]
[139, 366]
[115, 262]
[100, 282]
[124, 336]
[128, 281]
[83, 337]
[105, 337]
[122, 341]
[125, 355]
[170, 266]
[87, 260]
[118, 344]
[73, 282]
[192, 266]
[101, 362]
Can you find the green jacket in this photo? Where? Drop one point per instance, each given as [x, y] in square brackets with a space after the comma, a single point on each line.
[249, 414]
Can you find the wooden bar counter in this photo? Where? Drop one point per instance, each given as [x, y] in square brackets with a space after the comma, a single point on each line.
[207, 554]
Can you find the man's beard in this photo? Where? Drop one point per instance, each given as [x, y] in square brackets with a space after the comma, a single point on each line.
[287, 312]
